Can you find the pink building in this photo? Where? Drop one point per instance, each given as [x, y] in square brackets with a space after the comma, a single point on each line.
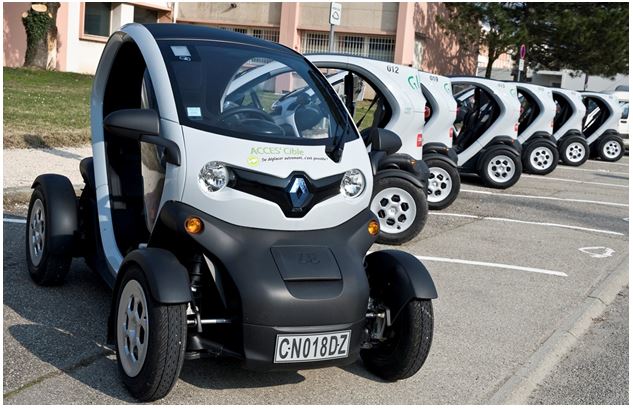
[405, 33]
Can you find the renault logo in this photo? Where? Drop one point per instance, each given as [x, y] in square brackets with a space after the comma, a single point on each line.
[299, 193]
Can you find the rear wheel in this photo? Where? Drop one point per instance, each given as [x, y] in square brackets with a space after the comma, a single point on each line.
[406, 343]
[46, 268]
[574, 151]
[444, 184]
[150, 339]
[611, 148]
[500, 168]
[540, 157]
[401, 208]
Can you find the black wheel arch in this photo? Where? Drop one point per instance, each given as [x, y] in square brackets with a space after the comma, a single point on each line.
[401, 174]
[167, 278]
[432, 149]
[401, 276]
[61, 201]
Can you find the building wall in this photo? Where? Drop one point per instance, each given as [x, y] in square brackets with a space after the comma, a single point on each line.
[368, 18]
[260, 14]
[14, 36]
[441, 53]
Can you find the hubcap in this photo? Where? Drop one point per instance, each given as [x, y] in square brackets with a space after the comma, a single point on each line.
[541, 158]
[575, 152]
[132, 328]
[37, 231]
[501, 168]
[611, 149]
[440, 184]
[395, 209]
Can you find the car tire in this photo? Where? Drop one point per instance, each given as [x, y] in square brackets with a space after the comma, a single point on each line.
[574, 151]
[159, 337]
[406, 346]
[540, 157]
[611, 148]
[500, 168]
[444, 184]
[401, 208]
[45, 268]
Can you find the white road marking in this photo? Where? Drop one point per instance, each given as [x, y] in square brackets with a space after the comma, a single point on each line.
[592, 170]
[573, 200]
[598, 251]
[575, 181]
[491, 265]
[15, 220]
[544, 224]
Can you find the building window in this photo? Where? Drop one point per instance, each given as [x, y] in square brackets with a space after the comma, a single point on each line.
[268, 34]
[145, 16]
[97, 19]
[380, 47]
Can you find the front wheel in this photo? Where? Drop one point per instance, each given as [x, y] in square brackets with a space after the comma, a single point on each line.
[574, 152]
[406, 343]
[500, 168]
[401, 208]
[150, 339]
[444, 184]
[611, 148]
[540, 157]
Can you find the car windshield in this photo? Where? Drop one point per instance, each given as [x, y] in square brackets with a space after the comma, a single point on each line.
[249, 92]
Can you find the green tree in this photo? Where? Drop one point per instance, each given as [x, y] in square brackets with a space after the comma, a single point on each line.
[494, 27]
[592, 38]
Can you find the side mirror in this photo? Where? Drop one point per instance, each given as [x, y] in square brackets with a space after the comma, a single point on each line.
[385, 140]
[142, 125]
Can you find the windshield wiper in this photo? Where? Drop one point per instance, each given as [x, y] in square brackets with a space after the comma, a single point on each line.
[335, 150]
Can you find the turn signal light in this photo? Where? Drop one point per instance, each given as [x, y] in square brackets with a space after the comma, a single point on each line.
[194, 225]
[373, 228]
[419, 140]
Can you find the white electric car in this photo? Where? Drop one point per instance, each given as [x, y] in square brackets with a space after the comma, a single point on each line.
[485, 137]
[225, 226]
[573, 149]
[536, 122]
[438, 151]
[601, 125]
[384, 95]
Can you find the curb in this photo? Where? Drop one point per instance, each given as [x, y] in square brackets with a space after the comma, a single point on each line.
[517, 389]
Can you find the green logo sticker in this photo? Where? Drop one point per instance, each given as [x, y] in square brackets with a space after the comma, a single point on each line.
[252, 161]
[412, 82]
[447, 87]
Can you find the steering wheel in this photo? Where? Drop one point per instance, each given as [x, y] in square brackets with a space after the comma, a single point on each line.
[248, 110]
[263, 124]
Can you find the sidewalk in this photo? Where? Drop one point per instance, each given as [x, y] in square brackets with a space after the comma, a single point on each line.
[22, 166]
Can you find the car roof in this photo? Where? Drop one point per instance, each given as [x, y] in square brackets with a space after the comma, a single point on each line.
[197, 32]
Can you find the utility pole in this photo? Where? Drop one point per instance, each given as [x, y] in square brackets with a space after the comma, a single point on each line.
[335, 19]
[521, 62]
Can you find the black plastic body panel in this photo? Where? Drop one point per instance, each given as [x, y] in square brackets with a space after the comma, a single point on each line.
[540, 136]
[264, 297]
[61, 203]
[575, 133]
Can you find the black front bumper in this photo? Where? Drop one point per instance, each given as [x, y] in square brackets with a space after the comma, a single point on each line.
[286, 281]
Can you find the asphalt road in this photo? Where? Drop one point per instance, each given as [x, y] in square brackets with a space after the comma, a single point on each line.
[596, 371]
[509, 266]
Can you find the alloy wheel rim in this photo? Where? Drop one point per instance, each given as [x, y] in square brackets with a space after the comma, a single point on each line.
[501, 168]
[575, 152]
[132, 328]
[611, 149]
[440, 184]
[37, 232]
[395, 209]
[542, 158]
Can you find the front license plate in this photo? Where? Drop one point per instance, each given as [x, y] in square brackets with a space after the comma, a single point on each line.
[293, 348]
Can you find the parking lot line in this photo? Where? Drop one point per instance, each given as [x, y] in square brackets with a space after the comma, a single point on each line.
[544, 224]
[592, 170]
[574, 181]
[491, 265]
[15, 220]
[572, 200]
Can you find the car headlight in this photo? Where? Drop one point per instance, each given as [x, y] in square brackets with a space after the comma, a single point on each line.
[213, 177]
[353, 183]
